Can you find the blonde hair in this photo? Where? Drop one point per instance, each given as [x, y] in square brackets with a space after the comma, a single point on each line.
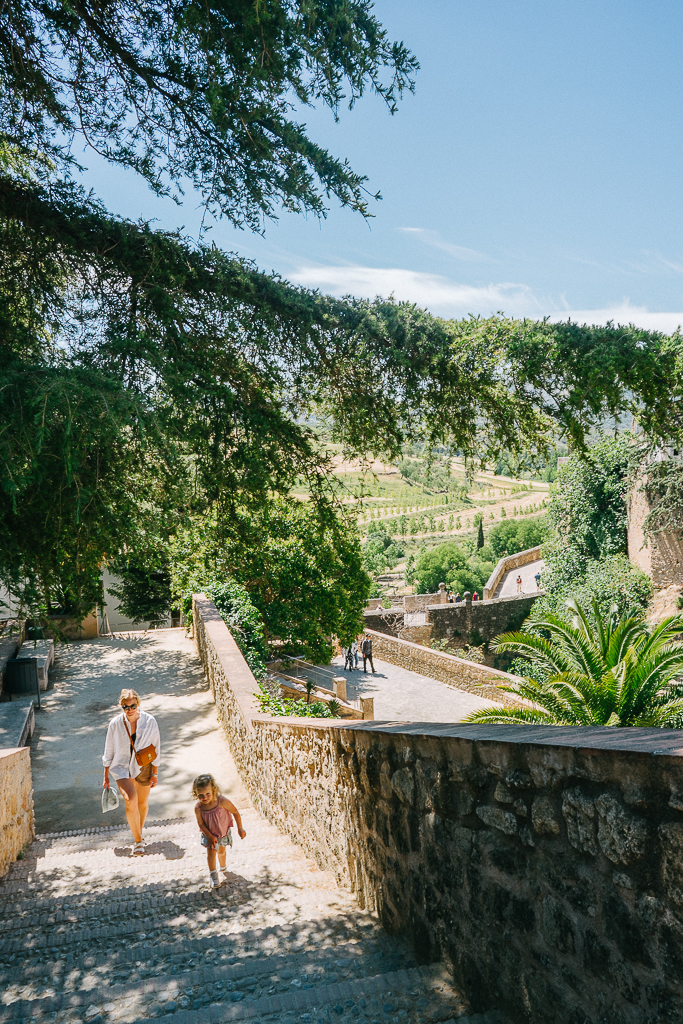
[127, 694]
[204, 780]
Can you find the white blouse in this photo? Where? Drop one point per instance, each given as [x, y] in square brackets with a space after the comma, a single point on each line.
[117, 755]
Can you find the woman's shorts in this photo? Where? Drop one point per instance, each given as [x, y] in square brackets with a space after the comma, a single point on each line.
[145, 776]
[222, 841]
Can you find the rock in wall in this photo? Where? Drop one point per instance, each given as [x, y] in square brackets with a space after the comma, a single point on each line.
[16, 804]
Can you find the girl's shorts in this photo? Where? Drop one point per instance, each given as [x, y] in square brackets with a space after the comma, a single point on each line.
[222, 841]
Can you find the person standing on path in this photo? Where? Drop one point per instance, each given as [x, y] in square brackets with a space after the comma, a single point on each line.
[519, 584]
[131, 756]
[214, 813]
[366, 651]
[537, 577]
[354, 651]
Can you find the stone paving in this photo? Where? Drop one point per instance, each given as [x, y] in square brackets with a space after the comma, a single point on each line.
[508, 585]
[401, 695]
[92, 935]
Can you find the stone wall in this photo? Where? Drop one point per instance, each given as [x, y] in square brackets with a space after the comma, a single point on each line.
[477, 622]
[390, 622]
[507, 563]
[16, 804]
[448, 669]
[544, 865]
[662, 557]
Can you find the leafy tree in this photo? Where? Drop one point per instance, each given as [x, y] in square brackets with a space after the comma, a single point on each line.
[381, 552]
[198, 93]
[300, 563]
[588, 507]
[587, 559]
[144, 590]
[516, 535]
[449, 563]
[599, 670]
[480, 534]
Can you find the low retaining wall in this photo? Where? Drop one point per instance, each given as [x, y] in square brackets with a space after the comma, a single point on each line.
[544, 865]
[16, 804]
[507, 563]
[478, 622]
[447, 668]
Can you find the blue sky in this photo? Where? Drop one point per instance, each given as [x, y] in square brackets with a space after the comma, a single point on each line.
[537, 170]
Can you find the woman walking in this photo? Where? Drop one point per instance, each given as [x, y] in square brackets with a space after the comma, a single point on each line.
[131, 756]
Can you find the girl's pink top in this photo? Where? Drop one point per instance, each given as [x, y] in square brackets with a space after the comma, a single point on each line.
[218, 821]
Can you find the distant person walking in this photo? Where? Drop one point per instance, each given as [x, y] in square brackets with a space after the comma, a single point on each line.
[131, 757]
[356, 656]
[537, 577]
[348, 658]
[519, 584]
[366, 651]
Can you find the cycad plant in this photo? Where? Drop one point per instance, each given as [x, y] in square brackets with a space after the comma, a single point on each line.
[599, 670]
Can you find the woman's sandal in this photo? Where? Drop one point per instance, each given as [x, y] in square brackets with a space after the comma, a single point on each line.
[138, 849]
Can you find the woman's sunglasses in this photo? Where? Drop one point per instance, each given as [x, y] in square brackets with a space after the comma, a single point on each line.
[129, 707]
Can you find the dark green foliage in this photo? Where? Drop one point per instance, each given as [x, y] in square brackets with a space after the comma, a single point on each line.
[144, 592]
[243, 621]
[592, 668]
[273, 704]
[198, 93]
[381, 552]
[588, 560]
[588, 506]
[609, 581]
[300, 563]
[449, 563]
[517, 535]
[662, 481]
[480, 533]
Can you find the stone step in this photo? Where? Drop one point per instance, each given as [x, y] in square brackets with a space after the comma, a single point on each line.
[165, 977]
[415, 994]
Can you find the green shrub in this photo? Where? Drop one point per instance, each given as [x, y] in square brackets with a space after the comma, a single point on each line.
[449, 563]
[243, 620]
[513, 536]
[273, 704]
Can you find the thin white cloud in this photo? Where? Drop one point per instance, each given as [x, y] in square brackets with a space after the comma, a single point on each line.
[623, 315]
[448, 298]
[460, 252]
[432, 291]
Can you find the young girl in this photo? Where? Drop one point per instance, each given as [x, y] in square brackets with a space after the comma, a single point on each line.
[214, 817]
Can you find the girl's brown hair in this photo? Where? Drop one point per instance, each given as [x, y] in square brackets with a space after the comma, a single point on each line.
[201, 782]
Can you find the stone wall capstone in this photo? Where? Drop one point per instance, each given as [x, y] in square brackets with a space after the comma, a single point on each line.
[544, 865]
[16, 804]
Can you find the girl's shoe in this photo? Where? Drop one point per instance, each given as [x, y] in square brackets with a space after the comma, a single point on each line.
[214, 880]
[224, 871]
[138, 849]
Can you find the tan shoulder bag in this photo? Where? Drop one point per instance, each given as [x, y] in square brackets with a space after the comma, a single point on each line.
[144, 756]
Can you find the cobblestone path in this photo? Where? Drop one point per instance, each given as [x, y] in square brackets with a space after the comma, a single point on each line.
[92, 935]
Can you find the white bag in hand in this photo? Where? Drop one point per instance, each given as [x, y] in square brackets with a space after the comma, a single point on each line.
[110, 799]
